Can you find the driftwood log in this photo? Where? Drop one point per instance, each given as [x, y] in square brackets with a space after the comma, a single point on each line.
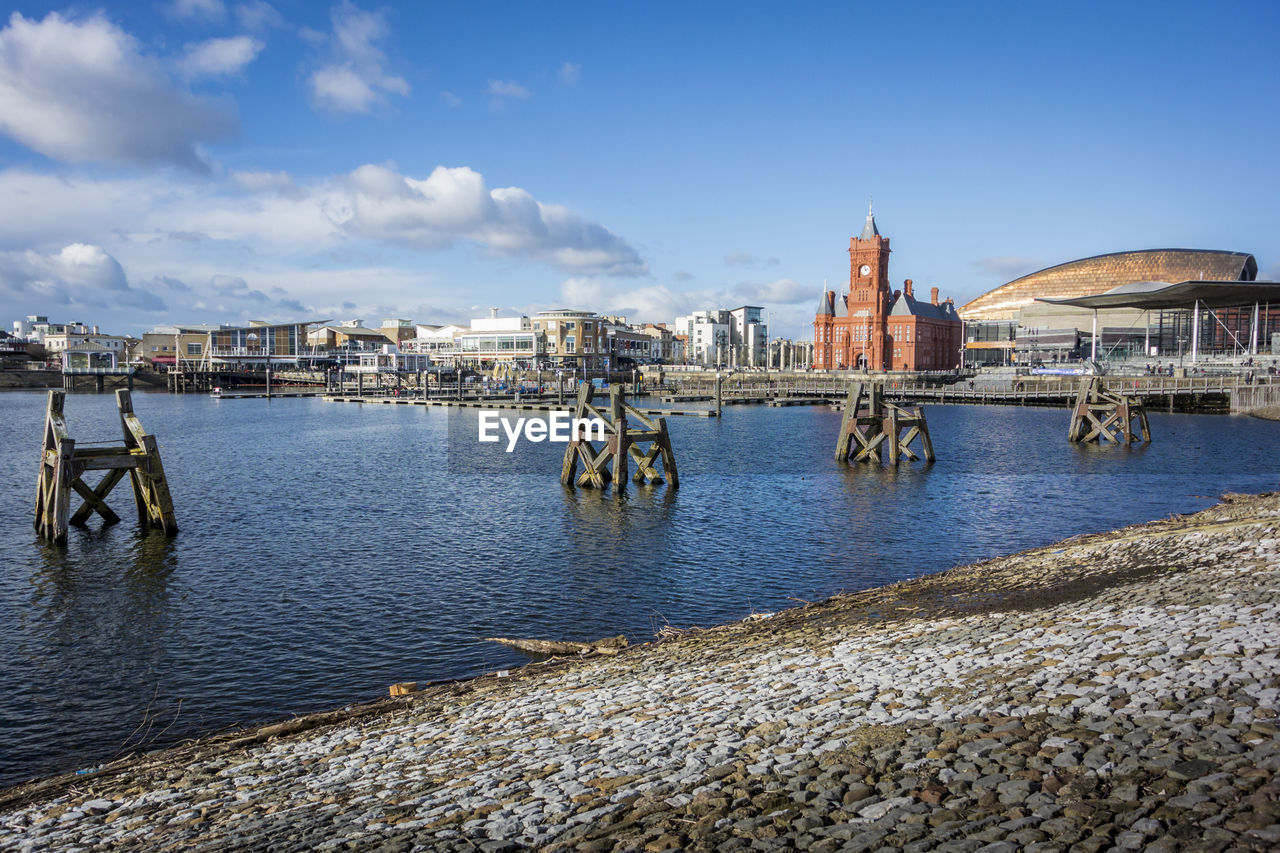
[544, 648]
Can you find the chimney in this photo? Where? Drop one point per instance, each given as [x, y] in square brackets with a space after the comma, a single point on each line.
[907, 288]
[896, 294]
[933, 295]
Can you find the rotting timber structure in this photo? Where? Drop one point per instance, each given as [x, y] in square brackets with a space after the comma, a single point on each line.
[62, 464]
[646, 445]
[877, 428]
[1101, 415]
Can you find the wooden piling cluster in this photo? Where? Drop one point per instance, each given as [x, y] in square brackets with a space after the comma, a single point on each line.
[874, 430]
[1100, 415]
[645, 445]
[62, 464]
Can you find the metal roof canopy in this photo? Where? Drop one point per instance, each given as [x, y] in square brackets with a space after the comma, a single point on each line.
[1162, 294]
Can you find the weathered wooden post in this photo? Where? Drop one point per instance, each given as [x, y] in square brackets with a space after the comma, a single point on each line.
[1101, 415]
[874, 433]
[719, 392]
[61, 465]
[620, 442]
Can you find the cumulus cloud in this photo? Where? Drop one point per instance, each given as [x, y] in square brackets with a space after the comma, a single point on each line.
[783, 291]
[217, 57]
[81, 91]
[570, 73]
[257, 16]
[277, 182]
[454, 204]
[355, 80]
[654, 303]
[507, 89]
[78, 275]
[1007, 267]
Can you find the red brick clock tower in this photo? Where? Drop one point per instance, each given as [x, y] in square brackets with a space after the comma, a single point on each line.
[869, 297]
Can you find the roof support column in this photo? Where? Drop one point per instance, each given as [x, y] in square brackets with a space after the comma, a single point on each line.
[1146, 340]
[1253, 332]
[1093, 343]
[1195, 331]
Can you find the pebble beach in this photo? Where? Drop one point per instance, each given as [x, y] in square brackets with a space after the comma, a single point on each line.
[1112, 691]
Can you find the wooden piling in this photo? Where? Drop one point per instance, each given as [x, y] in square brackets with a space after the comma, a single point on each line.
[644, 445]
[1099, 414]
[875, 432]
[62, 464]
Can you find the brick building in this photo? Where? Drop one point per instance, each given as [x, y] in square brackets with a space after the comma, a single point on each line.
[875, 328]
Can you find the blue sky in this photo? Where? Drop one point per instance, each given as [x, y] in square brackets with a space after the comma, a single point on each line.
[215, 160]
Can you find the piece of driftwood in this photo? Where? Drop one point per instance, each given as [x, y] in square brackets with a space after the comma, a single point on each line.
[604, 646]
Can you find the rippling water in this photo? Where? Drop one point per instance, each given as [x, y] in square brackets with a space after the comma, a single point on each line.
[328, 550]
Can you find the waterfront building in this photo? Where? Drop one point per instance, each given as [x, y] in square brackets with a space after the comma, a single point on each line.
[493, 339]
[748, 336]
[442, 341]
[165, 345]
[623, 341]
[398, 330]
[707, 336]
[1011, 323]
[59, 337]
[874, 328]
[669, 347]
[573, 338]
[14, 351]
[350, 335]
[259, 344]
[90, 357]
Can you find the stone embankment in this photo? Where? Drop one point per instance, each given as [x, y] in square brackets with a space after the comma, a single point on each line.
[1117, 691]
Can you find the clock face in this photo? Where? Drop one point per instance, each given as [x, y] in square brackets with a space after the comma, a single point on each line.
[864, 270]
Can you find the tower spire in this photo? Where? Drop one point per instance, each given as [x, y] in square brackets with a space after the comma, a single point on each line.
[869, 230]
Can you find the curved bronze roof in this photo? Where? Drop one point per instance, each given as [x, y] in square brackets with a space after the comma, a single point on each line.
[1100, 273]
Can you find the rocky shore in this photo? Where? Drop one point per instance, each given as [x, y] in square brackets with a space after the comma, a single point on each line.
[1117, 691]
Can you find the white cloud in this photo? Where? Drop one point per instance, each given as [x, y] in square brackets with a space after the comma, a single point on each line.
[570, 73]
[204, 10]
[455, 204]
[655, 303]
[783, 291]
[355, 80]
[507, 89]
[278, 182]
[79, 275]
[450, 99]
[257, 16]
[81, 91]
[321, 242]
[219, 56]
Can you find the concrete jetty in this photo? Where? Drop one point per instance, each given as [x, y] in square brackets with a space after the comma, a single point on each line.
[1114, 691]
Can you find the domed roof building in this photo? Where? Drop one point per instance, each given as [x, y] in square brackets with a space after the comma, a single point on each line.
[1100, 273]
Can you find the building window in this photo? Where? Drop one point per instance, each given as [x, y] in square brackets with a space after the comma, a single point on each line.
[570, 325]
[194, 349]
[570, 343]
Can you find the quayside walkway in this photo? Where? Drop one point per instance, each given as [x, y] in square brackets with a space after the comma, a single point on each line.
[1120, 690]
